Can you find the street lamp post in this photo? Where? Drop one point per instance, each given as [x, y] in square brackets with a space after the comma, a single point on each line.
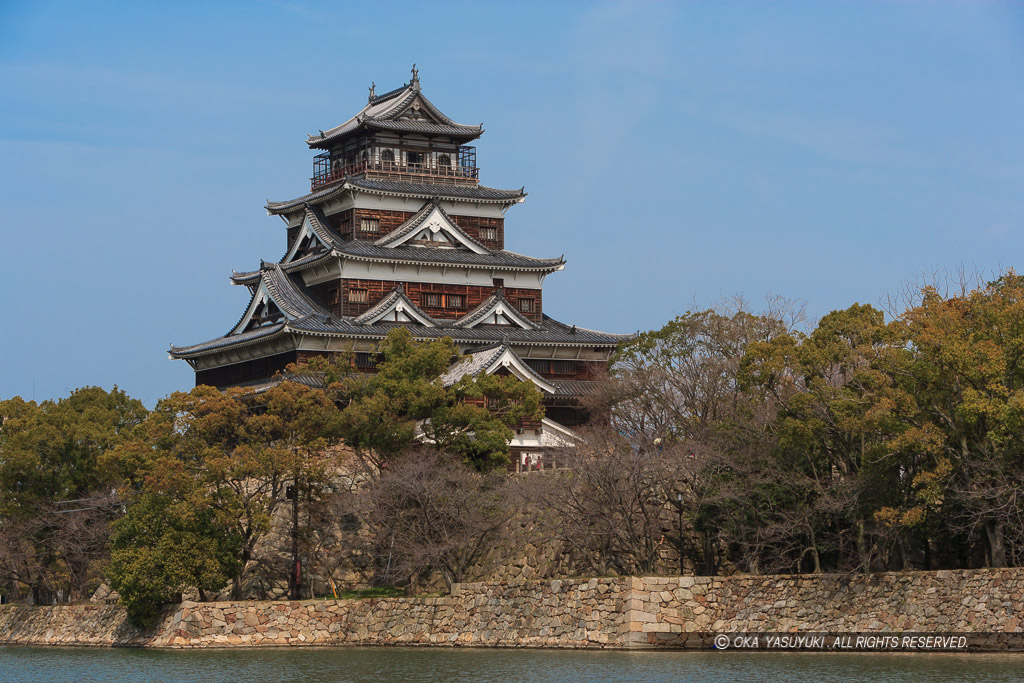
[292, 493]
[679, 507]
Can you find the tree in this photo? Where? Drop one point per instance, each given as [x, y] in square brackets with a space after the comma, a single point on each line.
[236, 451]
[389, 413]
[611, 506]
[678, 382]
[966, 370]
[164, 545]
[681, 386]
[429, 511]
[55, 490]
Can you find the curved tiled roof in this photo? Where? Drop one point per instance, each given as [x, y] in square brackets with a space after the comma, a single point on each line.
[322, 230]
[481, 257]
[290, 298]
[383, 111]
[397, 295]
[484, 360]
[487, 305]
[236, 340]
[478, 193]
[417, 219]
[497, 258]
[548, 333]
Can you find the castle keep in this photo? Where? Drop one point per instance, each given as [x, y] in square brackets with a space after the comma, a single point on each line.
[398, 231]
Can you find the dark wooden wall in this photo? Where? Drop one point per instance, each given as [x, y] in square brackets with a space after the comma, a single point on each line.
[378, 289]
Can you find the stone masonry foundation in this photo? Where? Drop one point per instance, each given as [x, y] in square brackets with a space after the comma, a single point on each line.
[618, 612]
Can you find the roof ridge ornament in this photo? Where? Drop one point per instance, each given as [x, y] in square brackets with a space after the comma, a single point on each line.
[373, 88]
[415, 82]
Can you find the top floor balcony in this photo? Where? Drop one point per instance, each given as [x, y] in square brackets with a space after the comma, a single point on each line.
[420, 165]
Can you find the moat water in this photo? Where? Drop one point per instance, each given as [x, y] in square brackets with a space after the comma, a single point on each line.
[409, 665]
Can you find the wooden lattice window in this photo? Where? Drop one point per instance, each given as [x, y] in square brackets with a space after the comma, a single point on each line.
[563, 367]
[370, 225]
[489, 234]
[438, 300]
[525, 305]
[358, 296]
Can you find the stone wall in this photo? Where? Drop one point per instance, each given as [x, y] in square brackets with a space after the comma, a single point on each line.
[622, 612]
[671, 611]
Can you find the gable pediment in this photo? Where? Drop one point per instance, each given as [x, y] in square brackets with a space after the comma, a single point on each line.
[305, 242]
[418, 111]
[262, 311]
[496, 310]
[395, 308]
[501, 361]
[431, 227]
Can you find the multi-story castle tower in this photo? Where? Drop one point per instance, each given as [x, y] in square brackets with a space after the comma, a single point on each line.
[398, 231]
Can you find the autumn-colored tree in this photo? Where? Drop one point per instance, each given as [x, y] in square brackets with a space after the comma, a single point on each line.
[967, 374]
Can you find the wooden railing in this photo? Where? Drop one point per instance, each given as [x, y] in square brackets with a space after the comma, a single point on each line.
[394, 170]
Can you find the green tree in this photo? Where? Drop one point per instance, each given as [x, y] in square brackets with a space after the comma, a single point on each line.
[233, 453]
[387, 413]
[55, 490]
[164, 545]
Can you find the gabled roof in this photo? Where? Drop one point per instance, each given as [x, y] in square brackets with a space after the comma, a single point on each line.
[248, 338]
[275, 286]
[401, 188]
[395, 307]
[431, 223]
[393, 247]
[496, 259]
[490, 360]
[314, 225]
[496, 310]
[550, 333]
[391, 111]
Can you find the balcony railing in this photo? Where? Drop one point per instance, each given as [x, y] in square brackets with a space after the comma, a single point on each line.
[425, 172]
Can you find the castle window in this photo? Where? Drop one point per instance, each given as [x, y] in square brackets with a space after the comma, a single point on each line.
[489, 234]
[563, 367]
[438, 300]
[498, 282]
[387, 156]
[365, 360]
[526, 305]
[357, 296]
[371, 225]
[444, 160]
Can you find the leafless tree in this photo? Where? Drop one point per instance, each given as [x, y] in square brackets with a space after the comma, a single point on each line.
[55, 553]
[612, 504]
[428, 512]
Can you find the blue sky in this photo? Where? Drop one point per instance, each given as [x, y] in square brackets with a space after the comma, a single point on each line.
[677, 153]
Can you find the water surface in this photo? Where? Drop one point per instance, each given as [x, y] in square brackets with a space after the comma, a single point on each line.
[410, 665]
